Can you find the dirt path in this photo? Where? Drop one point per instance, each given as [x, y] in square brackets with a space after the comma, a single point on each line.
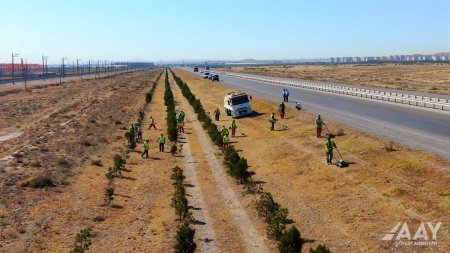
[204, 229]
[250, 238]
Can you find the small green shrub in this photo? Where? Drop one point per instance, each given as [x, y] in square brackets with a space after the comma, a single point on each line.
[82, 241]
[97, 163]
[290, 241]
[277, 223]
[320, 249]
[39, 182]
[185, 239]
[177, 175]
[266, 206]
[109, 194]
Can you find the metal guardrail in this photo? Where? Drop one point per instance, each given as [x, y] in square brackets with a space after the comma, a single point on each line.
[408, 99]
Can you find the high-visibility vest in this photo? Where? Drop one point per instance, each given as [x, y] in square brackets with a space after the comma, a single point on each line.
[152, 120]
[146, 145]
[226, 139]
[319, 122]
[233, 125]
[272, 119]
[329, 146]
[162, 139]
[224, 131]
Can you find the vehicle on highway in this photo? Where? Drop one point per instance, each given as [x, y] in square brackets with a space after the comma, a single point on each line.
[206, 75]
[237, 105]
[207, 68]
[195, 69]
[214, 77]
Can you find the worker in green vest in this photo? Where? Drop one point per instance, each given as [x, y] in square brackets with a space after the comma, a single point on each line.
[330, 145]
[282, 109]
[146, 148]
[272, 121]
[224, 131]
[233, 128]
[226, 141]
[161, 141]
[319, 124]
[217, 114]
[152, 123]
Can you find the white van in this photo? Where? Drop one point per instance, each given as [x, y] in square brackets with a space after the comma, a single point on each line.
[237, 105]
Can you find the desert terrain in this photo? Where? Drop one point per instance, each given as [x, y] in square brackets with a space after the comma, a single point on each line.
[58, 141]
[428, 78]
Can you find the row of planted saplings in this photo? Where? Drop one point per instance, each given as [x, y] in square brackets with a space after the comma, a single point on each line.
[83, 238]
[278, 228]
[185, 234]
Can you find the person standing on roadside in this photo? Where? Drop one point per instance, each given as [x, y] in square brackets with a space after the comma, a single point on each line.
[284, 95]
[282, 109]
[233, 128]
[287, 96]
[272, 121]
[319, 124]
[152, 123]
[217, 114]
[146, 148]
[161, 142]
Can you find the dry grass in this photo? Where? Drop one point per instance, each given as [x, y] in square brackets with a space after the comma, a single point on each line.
[62, 145]
[347, 209]
[430, 78]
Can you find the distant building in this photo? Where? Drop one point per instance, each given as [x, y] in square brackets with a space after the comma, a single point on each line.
[332, 60]
[338, 60]
[402, 57]
[6, 69]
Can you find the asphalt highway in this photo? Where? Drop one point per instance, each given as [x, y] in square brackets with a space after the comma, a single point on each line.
[415, 127]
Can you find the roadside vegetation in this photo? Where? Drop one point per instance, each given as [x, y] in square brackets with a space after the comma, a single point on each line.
[185, 234]
[172, 132]
[276, 217]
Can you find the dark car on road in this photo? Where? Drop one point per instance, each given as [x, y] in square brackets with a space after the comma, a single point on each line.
[214, 77]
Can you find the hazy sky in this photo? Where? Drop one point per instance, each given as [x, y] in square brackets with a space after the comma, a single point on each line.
[175, 30]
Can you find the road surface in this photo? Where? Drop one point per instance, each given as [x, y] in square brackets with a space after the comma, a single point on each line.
[412, 126]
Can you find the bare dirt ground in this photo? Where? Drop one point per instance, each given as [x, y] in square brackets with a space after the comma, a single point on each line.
[349, 209]
[429, 78]
[62, 129]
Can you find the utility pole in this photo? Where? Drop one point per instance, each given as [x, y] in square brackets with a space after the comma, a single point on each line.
[78, 67]
[12, 59]
[44, 69]
[64, 67]
[26, 73]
